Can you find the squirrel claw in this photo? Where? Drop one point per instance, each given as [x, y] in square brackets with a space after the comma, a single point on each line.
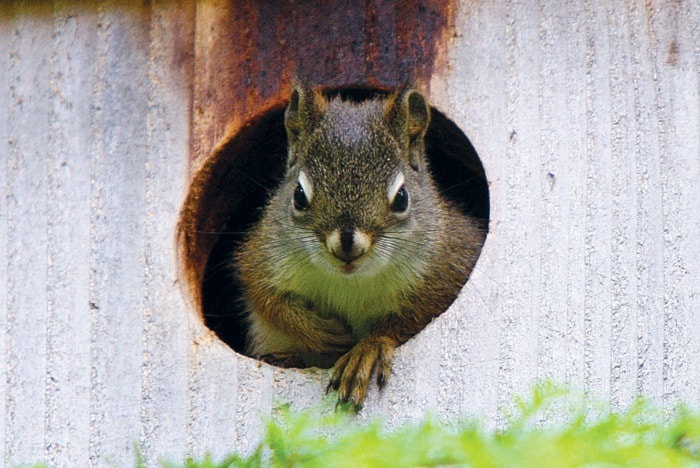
[331, 387]
[353, 371]
[345, 406]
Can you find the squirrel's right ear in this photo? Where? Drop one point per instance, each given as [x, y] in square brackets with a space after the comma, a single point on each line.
[304, 112]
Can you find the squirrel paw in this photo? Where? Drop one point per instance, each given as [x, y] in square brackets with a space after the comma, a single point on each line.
[353, 371]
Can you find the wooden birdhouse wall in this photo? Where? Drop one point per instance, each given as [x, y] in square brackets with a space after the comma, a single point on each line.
[585, 118]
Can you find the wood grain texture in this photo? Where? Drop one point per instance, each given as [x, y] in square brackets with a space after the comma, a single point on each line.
[579, 167]
[165, 324]
[585, 115]
[68, 358]
[118, 192]
[6, 28]
[27, 226]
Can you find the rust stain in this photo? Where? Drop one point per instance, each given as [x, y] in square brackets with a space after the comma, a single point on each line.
[247, 53]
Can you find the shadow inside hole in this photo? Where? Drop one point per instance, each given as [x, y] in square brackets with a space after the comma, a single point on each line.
[252, 163]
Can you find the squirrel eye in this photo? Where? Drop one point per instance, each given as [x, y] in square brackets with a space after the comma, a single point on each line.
[300, 201]
[400, 202]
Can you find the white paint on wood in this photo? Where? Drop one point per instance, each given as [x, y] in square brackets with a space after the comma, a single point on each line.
[118, 191]
[586, 116]
[677, 81]
[561, 85]
[6, 28]
[471, 330]
[164, 374]
[577, 190]
[27, 226]
[68, 358]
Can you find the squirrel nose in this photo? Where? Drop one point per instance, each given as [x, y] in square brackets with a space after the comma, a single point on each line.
[347, 243]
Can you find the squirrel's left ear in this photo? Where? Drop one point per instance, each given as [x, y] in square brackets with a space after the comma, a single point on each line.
[407, 114]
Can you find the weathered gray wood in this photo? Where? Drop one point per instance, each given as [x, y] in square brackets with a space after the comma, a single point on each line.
[586, 106]
[620, 318]
[27, 225]
[5, 35]
[563, 113]
[586, 117]
[478, 58]
[68, 356]
[118, 192]
[6, 28]
[165, 323]
[677, 85]
[643, 276]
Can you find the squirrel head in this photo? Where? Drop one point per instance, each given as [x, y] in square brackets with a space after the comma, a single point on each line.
[357, 176]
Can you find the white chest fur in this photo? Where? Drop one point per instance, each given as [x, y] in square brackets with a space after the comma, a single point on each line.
[361, 297]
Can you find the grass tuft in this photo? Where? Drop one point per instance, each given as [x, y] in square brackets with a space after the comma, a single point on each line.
[548, 429]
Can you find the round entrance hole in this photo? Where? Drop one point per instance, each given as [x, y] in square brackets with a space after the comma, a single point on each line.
[229, 192]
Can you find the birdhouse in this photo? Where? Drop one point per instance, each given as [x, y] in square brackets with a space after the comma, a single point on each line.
[140, 140]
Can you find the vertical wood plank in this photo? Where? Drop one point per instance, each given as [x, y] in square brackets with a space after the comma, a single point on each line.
[165, 319]
[561, 161]
[6, 35]
[474, 81]
[69, 314]
[230, 395]
[258, 390]
[648, 244]
[691, 145]
[27, 232]
[562, 88]
[518, 347]
[212, 76]
[676, 70]
[597, 317]
[411, 391]
[623, 200]
[577, 112]
[213, 380]
[118, 168]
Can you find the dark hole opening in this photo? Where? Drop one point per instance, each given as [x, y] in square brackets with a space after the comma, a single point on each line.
[252, 164]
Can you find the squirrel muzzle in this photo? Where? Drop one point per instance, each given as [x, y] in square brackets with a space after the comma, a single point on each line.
[348, 243]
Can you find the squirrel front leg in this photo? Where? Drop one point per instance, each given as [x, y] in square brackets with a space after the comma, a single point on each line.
[353, 371]
[282, 313]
